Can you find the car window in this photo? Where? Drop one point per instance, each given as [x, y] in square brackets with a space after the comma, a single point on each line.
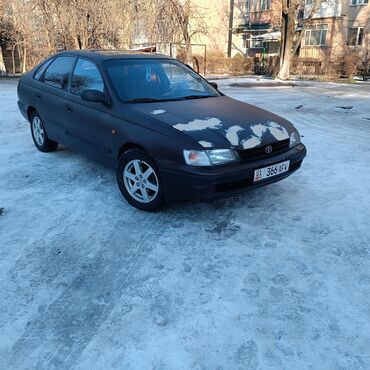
[156, 79]
[86, 76]
[41, 69]
[57, 74]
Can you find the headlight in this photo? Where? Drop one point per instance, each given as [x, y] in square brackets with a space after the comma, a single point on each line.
[220, 156]
[209, 157]
[295, 139]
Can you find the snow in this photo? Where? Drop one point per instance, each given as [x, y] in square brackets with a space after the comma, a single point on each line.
[232, 134]
[199, 124]
[158, 111]
[278, 277]
[205, 144]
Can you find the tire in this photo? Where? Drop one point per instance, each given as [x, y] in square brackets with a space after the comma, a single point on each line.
[39, 136]
[139, 181]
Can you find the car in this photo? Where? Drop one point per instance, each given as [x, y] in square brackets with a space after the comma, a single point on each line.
[169, 133]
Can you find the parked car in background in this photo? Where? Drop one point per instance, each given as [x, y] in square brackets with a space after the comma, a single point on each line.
[169, 133]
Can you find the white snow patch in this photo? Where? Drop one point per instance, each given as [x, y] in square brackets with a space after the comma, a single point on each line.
[199, 124]
[277, 131]
[158, 111]
[252, 142]
[232, 134]
[259, 129]
[205, 144]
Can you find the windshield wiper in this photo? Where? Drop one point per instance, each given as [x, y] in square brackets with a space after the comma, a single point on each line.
[196, 96]
[145, 100]
[151, 100]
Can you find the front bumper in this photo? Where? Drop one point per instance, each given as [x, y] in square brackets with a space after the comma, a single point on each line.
[186, 182]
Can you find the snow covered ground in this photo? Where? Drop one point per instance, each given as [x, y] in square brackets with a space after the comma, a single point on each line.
[275, 278]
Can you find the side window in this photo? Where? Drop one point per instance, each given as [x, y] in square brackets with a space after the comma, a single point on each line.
[86, 76]
[41, 69]
[57, 74]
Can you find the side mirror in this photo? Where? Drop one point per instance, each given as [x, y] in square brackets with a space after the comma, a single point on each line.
[94, 96]
[213, 84]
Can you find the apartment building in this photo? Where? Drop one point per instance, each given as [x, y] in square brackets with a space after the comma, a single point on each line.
[339, 26]
[257, 27]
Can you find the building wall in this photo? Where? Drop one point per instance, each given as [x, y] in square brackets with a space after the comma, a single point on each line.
[338, 27]
[357, 16]
[255, 19]
[333, 37]
[338, 15]
[215, 14]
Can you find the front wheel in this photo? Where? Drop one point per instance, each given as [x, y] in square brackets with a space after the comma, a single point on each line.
[41, 140]
[139, 181]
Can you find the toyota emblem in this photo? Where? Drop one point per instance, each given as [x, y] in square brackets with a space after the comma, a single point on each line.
[268, 149]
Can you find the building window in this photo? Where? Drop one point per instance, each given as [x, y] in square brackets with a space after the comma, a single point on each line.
[359, 2]
[316, 35]
[355, 36]
[265, 4]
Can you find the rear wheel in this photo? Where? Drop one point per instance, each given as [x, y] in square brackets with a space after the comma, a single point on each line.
[39, 136]
[139, 181]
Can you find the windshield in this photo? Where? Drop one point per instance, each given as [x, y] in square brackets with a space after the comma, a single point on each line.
[156, 80]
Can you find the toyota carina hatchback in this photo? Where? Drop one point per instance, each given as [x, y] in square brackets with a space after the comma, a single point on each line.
[169, 133]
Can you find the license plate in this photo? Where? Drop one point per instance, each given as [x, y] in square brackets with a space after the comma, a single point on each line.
[271, 171]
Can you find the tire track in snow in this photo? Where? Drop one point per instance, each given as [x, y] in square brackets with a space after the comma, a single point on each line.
[58, 337]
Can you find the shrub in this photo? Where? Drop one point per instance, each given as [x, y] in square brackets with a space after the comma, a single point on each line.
[348, 65]
[218, 63]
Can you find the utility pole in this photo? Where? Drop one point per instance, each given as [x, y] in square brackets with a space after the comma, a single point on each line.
[231, 24]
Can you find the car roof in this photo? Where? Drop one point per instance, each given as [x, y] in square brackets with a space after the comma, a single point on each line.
[102, 54]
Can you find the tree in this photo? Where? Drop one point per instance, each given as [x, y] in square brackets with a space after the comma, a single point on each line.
[364, 58]
[2, 65]
[290, 40]
[33, 29]
[184, 19]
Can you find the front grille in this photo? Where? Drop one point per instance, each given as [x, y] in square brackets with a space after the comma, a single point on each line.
[259, 152]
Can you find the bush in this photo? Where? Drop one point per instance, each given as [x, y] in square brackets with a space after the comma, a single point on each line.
[240, 65]
[348, 65]
[313, 68]
[273, 65]
[330, 69]
[218, 63]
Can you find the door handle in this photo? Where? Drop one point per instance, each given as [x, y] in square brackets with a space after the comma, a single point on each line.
[38, 96]
[68, 108]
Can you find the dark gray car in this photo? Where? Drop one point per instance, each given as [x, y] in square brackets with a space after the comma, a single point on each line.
[169, 133]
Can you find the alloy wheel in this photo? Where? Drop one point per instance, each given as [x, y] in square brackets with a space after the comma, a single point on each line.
[38, 131]
[141, 181]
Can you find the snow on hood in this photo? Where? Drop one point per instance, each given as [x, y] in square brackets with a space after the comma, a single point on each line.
[220, 122]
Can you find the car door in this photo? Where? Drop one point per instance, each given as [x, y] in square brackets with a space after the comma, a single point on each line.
[49, 98]
[88, 124]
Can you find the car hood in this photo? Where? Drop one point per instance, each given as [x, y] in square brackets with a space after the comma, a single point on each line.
[220, 122]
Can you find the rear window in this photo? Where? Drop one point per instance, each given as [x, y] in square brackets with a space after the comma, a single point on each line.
[41, 69]
[58, 72]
